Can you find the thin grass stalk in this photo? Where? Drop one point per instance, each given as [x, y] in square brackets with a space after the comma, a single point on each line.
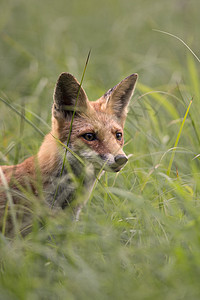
[191, 118]
[98, 180]
[22, 116]
[36, 116]
[9, 203]
[68, 149]
[176, 37]
[177, 139]
[70, 129]
[21, 129]
[5, 218]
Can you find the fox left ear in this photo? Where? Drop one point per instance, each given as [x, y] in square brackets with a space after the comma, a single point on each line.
[117, 98]
[65, 96]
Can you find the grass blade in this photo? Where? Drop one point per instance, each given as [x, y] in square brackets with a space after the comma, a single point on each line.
[177, 140]
[22, 116]
[68, 149]
[176, 37]
[10, 204]
[158, 96]
[70, 129]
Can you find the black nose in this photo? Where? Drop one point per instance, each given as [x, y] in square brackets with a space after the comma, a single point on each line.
[121, 159]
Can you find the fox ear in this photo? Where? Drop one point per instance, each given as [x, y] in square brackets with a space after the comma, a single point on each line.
[65, 96]
[117, 98]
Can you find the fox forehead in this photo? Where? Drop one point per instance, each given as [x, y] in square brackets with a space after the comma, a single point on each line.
[103, 125]
[104, 116]
[96, 121]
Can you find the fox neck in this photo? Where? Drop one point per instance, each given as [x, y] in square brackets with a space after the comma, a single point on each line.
[63, 183]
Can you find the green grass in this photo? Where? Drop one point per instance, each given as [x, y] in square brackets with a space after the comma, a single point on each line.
[139, 235]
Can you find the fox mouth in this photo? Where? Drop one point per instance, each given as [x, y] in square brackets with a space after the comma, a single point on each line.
[116, 168]
[105, 162]
[110, 168]
[119, 162]
[113, 164]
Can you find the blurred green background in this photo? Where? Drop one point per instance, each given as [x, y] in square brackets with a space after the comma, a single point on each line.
[46, 37]
[41, 39]
[139, 237]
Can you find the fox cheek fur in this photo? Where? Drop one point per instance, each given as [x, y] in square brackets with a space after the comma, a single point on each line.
[96, 136]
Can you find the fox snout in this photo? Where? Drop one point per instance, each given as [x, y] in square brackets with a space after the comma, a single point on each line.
[121, 159]
[114, 163]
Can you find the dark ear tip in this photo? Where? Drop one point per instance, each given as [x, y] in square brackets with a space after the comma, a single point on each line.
[131, 78]
[66, 78]
[65, 75]
[134, 76]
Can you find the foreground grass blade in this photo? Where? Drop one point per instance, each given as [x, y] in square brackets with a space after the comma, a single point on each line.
[70, 129]
[158, 97]
[176, 37]
[68, 149]
[177, 140]
[22, 116]
[8, 204]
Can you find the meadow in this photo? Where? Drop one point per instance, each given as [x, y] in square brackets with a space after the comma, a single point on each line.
[139, 235]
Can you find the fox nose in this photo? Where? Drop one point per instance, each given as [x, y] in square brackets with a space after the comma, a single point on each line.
[121, 159]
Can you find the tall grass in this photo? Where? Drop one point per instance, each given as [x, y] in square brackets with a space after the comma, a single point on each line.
[138, 237]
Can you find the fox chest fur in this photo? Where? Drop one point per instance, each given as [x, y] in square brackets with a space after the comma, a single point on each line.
[86, 138]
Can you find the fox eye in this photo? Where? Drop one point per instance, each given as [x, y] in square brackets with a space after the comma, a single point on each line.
[118, 136]
[89, 136]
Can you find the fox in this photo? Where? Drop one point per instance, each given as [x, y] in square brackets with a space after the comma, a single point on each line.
[86, 139]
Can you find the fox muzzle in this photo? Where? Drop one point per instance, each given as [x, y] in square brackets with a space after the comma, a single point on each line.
[121, 159]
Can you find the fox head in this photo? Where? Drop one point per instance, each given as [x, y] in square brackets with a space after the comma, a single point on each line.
[97, 128]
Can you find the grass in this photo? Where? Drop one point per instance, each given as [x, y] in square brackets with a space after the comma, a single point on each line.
[138, 237]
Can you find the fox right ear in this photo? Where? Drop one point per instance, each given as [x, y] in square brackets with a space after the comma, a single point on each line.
[117, 98]
[65, 96]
